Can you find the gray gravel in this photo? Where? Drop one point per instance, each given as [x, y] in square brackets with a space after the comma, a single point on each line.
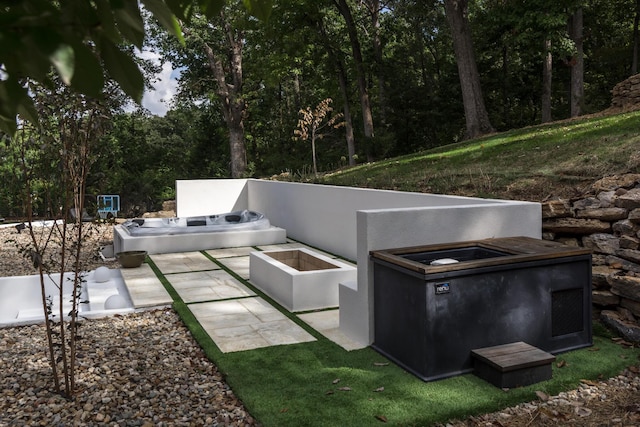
[142, 369]
[13, 245]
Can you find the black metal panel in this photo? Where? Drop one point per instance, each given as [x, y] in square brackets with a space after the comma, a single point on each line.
[429, 324]
[567, 312]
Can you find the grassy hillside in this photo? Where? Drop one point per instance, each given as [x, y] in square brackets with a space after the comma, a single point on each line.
[558, 159]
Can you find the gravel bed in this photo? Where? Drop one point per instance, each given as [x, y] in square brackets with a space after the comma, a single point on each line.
[142, 369]
[612, 402]
[145, 369]
[13, 261]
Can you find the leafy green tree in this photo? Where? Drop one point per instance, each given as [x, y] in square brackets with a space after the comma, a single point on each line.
[213, 71]
[38, 35]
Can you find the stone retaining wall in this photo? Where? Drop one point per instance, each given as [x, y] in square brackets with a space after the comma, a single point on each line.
[626, 94]
[607, 221]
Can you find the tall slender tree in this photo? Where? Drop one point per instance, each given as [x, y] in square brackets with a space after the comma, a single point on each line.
[547, 76]
[636, 38]
[577, 63]
[475, 112]
[374, 8]
[338, 61]
[365, 103]
[227, 72]
[212, 63]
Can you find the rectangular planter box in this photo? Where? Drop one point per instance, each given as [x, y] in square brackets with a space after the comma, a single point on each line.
[428, 318]
[299, 279]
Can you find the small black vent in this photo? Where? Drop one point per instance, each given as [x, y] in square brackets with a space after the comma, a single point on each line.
[567, 312]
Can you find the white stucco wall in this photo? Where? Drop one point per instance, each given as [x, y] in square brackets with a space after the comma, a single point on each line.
[325, 216]
[350, 222]
[210, 196]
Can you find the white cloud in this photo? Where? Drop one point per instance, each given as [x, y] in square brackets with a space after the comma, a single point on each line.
[158, 101]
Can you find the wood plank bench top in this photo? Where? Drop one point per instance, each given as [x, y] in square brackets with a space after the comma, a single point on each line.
[513, 356]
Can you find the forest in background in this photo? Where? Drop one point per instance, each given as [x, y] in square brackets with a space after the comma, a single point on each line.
[389, 67]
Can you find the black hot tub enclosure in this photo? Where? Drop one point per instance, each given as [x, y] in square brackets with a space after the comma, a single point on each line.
[489, 292]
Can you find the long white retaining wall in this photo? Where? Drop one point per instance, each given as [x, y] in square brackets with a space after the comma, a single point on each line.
[350, 222]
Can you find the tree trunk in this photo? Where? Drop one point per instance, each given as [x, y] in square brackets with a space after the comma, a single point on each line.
[374, 10]
[367, 118]
[344, 89]
[636, 39]
[577, 64]
[547, 65]
[230, 94]
[475, 112]
[348, 123]
[506, 107]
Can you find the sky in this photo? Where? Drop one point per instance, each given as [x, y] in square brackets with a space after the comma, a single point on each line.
[158, 101]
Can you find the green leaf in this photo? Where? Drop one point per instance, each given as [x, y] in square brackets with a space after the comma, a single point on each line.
[210, 8]
[123, 69]
[87, 76]
[63, 59]
[130, 23]
[27, 110]
[165, 17]
[261, 9]
[107, 22]
[41, 44]
[14, 99]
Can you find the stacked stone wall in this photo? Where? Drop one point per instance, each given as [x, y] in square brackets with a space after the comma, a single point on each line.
[606, 219]
[626, 94]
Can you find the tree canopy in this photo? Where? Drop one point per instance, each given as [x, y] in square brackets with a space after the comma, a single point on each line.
[78, 38]
[389, 66]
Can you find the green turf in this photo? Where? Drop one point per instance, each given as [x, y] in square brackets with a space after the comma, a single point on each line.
[319, 383]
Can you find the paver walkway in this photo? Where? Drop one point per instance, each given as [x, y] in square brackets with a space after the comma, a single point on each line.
[228, 310]
[145, 289]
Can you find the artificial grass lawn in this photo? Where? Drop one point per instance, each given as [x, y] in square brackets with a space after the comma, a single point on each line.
[319, 383]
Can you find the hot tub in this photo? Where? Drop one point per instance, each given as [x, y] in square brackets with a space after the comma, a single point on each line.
[166, 235]
[239, 220]
[434, 304]
[103, 292]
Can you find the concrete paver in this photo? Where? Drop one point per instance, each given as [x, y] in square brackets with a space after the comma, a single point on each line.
[183, 262]
[327, 322]
[227, 309]
[239, 265]
[144, 287]
[209, 285]
[234, 326]
[230, 252]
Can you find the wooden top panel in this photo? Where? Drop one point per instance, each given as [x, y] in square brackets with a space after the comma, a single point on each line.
[518, 249]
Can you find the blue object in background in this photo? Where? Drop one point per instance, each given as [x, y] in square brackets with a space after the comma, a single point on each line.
[108, 205]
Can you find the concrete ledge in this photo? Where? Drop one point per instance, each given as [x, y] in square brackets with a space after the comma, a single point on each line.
[352, 320]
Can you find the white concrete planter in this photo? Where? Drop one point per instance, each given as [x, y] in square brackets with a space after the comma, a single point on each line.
[299, 279]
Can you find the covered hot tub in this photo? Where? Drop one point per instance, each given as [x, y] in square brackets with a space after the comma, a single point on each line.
[434, 304]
